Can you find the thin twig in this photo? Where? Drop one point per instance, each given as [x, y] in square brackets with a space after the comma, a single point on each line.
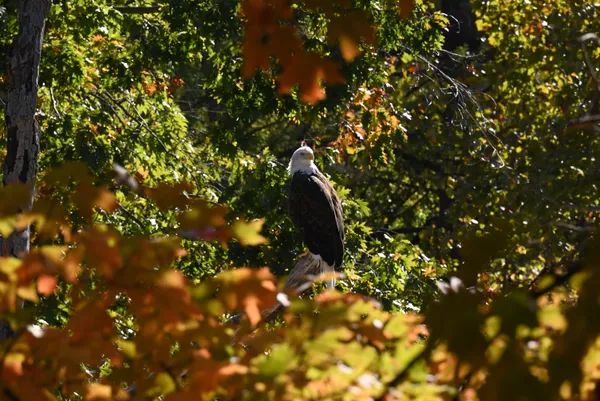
[109, 104]
[58, 114]
[132, 217]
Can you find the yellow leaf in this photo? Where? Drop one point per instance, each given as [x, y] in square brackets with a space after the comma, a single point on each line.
[248, 232]
[9, 266]
[7, 225]
[97, 392]
[28, 293]
[165, 383]
[128, 348]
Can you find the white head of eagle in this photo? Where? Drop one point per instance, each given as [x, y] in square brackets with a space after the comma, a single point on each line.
[316, 211]
[302, 160]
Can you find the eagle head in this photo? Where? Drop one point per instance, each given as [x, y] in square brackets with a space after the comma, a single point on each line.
[302, 160]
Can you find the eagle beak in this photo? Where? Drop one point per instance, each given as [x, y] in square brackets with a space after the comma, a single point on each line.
[311, 156]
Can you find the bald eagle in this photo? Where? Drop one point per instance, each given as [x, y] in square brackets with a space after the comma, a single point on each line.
[316, 211]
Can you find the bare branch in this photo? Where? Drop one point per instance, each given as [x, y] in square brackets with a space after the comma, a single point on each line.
[583, 122]
[586, 57]
[573, 227]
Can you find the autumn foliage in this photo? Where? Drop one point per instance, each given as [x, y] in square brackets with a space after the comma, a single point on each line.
[472, 263]
[272, 33]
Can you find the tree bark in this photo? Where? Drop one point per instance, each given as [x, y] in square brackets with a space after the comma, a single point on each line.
[23, 131]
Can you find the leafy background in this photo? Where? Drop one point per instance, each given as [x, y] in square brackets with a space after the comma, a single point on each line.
[467, 177]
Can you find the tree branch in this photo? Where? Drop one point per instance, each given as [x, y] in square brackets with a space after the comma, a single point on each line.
[583, 122]
[588, 62]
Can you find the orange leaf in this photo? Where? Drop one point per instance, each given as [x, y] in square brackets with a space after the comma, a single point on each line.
[308, 70]
[251, 308]
[232, 369]
[348, 47]
[248, 289]
[142, 172]
[46, 284]
[203, 222]
[168, 196]
[150, 88]
[348, 30]
[43, 260]
[101, 250]
[88, 196]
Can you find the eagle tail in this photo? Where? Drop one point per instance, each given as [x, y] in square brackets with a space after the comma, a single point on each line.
[325, 268]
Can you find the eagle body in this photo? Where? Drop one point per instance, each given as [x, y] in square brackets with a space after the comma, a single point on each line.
[316, 211]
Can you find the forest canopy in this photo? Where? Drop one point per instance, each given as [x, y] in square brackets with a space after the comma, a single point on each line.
[146, 247]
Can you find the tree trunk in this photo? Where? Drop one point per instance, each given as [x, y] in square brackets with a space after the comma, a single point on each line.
[23, 131]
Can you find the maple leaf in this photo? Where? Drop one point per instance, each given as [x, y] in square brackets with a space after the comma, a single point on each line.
[204, 222]
[13, 197]
[67, 172]
[247, 233]
[149, 88]
[48, 215]
[265, 38]
[88, 196]
[308, 70]
[252, 290]
[7, 225]
[251, 308]
[8, 282]
[102, 251]
[348, 30]
[91, 334]
[42, 263]
[261, 29]
[13, 365]
[201, 215]
[168, 195]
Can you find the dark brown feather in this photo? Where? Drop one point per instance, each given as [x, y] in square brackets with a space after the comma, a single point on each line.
[316, 211]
